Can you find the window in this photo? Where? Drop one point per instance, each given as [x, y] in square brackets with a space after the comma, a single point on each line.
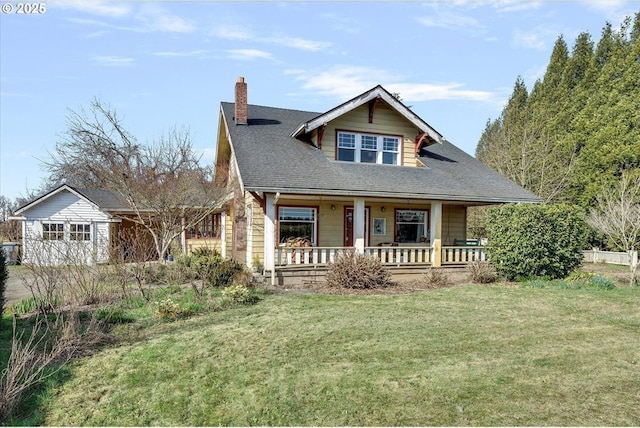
[411, 226]
[367, 148]
[297, 222]
[80, 232]
[209, 227]
[53, 231]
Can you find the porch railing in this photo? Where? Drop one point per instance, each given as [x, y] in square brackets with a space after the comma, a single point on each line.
[396, 255]
[452, 255]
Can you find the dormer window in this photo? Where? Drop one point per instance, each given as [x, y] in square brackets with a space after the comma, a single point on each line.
[368, 148]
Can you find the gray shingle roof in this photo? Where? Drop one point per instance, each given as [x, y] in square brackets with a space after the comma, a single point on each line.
[270, 160]
[106, 200]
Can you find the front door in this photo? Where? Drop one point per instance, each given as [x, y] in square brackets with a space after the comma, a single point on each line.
[348, 227]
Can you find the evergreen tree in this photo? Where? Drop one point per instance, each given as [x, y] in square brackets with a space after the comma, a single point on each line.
[579, 128]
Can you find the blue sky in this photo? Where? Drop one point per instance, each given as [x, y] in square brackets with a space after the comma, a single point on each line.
[164, 64]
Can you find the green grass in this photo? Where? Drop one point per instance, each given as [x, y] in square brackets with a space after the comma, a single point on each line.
[467, 355]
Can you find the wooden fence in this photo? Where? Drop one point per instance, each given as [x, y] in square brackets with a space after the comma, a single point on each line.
[594, 255]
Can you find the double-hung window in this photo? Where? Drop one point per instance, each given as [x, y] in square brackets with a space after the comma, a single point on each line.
[368, 148]
[80, 232]
[53, 231]
[297, 222]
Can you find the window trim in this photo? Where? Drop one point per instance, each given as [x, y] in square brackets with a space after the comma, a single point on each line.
[53, 235]
[316, 210]
[358, 149]
[427, 231]
[84, 234]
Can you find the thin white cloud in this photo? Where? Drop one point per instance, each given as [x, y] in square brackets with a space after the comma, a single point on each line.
[196, 53]
[113, 60]
[156, 19]
[342, 82]
[539, 38]
[101, 8]
[302, 44]
[415, 92]
[238, 32]
[231, 32]
[451, 21]
[147, 18]
[248, 54]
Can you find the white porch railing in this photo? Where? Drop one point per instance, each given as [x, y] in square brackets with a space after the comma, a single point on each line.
[392, 255]
[463, 254]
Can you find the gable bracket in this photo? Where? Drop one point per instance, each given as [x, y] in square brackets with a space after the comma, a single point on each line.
[420, 138]
[321, 134]
[261, 200]
[372, 107]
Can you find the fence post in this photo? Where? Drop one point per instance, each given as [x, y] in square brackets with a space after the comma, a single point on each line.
[633, 258]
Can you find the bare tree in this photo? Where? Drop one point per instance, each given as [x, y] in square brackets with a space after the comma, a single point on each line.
[9, 229]
[163, 184]
[617, 215]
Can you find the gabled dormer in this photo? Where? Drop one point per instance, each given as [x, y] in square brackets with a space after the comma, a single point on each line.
[374, 127]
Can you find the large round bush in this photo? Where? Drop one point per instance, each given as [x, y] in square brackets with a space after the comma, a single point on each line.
[536, 240]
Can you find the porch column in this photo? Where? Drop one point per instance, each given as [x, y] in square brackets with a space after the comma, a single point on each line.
[436, 233]
[358, 225]
[223, 234]
[269, 232]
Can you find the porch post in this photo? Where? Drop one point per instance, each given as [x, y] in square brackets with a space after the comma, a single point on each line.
[436, 233]
[223, 234]
[269, 233]
[358, 225]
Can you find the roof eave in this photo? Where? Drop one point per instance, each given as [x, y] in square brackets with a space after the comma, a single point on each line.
[368, 193]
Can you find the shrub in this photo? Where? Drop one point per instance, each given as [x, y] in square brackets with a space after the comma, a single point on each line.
[168, 310]
[536, 240]
[224, 273]
[482, 272]
[237, 294]
[435, 278]
[357, 271]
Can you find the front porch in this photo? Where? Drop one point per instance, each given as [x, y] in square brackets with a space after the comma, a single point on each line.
[391, 255]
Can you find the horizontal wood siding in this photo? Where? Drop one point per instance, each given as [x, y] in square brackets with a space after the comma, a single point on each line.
[65, 206]
[386, 121]
[209, 243]
[454, 223]
[256, 225]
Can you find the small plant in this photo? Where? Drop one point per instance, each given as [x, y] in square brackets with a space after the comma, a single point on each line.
[168, 310]
[602, 282]
[482, 272]
[357, 271]
[236, 293]
[436, 278]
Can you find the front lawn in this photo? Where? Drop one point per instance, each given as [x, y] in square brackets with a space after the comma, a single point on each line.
[465, 355]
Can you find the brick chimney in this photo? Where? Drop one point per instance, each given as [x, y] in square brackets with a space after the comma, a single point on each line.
[241, 116]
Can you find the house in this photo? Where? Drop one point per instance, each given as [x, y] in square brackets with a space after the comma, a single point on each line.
[69, 225]
[369, 174]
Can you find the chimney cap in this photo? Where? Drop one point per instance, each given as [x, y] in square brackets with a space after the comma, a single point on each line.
[240, 79]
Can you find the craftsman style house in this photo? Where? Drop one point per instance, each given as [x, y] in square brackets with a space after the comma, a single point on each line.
[369, 174]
